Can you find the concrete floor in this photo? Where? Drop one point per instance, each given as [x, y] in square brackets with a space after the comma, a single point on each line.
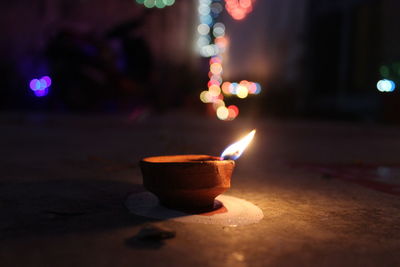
[64, 180]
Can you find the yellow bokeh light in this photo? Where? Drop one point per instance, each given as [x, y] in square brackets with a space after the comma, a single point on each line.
[222, 113]
[216, 68]
[214, 90]
[205, 97]
[242, 91]
[213, 43]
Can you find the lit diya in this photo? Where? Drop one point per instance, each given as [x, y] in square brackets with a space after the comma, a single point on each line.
[191, 182]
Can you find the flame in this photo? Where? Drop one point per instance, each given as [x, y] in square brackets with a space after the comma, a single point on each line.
[235, 150]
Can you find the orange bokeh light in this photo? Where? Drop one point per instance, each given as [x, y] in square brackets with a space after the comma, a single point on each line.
[221, 42]
[217, 89]
[239, 9]
[226, 88]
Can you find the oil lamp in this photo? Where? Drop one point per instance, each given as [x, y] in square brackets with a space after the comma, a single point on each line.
[191, 182]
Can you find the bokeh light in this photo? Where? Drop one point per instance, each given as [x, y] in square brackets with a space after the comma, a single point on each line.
[215, 59]
[384, 70]
[156, 3]
[213, 82]
[242, 91]
[203, 29]
[233, 88]
[206, 19]
[209, 50]
[219, 29]
[226, 88]
[222, 113]
[212, 42]
[221, 42]
[239, 9]
[204, 9]
[160, 4]
[216, 68]
[169, 2]
[214, 90]
[41, 93]
[233, 110]
[232, 114]
[149, 3]
[386, 85]
[244, 83]
[217, 78]
[47, 80]
[34, 84]
[252, 88]
[206, 97]
[40, 87]
[216, 8]
[203, 41]
[258, 88]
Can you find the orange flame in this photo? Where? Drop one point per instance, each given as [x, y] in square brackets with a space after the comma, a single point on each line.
[235, 150]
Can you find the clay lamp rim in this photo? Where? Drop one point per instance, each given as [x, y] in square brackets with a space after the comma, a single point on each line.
[185, 159]
[187, 182]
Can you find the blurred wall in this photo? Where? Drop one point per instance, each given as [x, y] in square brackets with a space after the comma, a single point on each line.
[390, 26]
[26, 27]
[269, 42]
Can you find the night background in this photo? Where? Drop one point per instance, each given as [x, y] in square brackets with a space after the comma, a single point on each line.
[88, 89]
[311, 59]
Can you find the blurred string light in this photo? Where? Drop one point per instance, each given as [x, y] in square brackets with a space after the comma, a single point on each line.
[208, 11]
[212, 43]
[390, 76]
[386, 85]
[40, 87]
[156, 3]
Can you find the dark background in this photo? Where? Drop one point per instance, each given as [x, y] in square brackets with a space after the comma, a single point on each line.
[313, 58]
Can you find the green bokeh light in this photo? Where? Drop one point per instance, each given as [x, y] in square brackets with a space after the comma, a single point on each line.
[169, 2]
[160, 3]
[384, 70]
[149, 3]
[156, 3]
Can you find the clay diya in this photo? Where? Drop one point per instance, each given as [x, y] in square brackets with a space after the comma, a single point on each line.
[187, 182]
[191, 182]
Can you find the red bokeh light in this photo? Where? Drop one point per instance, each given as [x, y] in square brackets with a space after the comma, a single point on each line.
[239, 9]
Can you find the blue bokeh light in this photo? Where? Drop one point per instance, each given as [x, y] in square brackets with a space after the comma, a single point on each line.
[386, 85]
[40, 87]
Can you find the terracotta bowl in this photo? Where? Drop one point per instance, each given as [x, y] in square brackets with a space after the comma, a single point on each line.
[187, 182]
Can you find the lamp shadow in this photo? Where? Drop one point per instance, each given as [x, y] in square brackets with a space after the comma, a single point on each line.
[65, 206]
[150, 237]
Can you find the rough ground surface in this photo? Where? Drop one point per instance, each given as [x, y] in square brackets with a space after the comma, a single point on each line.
[64, 180]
